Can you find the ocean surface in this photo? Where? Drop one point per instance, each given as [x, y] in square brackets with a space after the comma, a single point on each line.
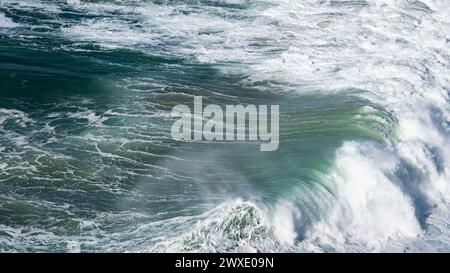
[87, 161]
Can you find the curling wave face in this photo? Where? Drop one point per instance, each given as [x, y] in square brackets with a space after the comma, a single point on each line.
[87, 162]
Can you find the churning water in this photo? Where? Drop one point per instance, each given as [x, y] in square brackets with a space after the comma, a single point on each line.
[87, 162]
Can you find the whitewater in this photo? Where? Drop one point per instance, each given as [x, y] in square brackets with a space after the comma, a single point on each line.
[87, 162]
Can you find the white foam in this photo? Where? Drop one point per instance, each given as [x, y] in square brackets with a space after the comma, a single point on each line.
[18, 116]
[210, 36]
[111, 33]
[73, 247]
[370, 210]
[89, 115]
[233, 226]
[6, 22]
[283, 222]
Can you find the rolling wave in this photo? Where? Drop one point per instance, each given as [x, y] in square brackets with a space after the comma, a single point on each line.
[364, 126]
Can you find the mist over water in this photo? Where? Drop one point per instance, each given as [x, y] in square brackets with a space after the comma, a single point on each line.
[87, 161]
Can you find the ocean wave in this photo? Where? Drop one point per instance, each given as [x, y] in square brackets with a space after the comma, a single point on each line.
[6, 22]
[384, 185]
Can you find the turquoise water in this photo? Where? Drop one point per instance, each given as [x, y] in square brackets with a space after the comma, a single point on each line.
[87, 161]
